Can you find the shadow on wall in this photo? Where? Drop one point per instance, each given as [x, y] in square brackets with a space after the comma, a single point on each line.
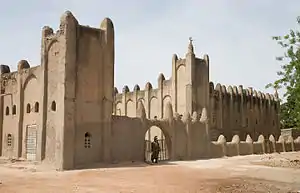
[236, 147]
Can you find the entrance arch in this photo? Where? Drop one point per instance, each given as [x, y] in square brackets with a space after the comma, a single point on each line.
[163, 140]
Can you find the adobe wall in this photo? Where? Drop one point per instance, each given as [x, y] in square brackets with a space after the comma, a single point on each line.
[78, 63]
[154, 100]
[128, 136]
[20, 107]
[262, 145]
[243, 111]
[233, 110]
[10, 120]
[183, 90]
[73, 89]
[94, 91]
[55, 55]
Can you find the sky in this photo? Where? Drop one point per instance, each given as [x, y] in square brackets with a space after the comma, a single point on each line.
[236, 35]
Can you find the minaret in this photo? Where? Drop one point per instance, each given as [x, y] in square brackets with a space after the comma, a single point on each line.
[190, 62]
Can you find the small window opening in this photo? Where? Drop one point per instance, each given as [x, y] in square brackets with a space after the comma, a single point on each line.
[214, 118]
[53, 106]
[7, 111]
[14, 110]
[28, 108]
[87, 140]
[155, 117]
[36, 107]
[256, 122]
[9, 140]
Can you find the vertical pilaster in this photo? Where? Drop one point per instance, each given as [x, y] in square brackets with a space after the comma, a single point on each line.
[20, 115]
[160, 96]
[147, 105]
[174, 82]
[1, 113]
[124, 99]
[41, 143]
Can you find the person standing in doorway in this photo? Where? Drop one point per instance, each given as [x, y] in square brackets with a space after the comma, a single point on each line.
[155, 149]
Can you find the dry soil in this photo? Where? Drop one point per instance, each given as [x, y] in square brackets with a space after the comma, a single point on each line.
[253, 173]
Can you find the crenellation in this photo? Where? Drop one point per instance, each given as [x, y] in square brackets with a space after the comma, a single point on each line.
[195, 116]
[281, 139]
[263, 96]
[108, 27]
[235, 139]
[261, 138]
[136, 88]
[239, 118]
[255, 95]
[67, 20]
[23, 64]
[272, 98]
[230, 91]
[186, 118]
[268, 97]
[206, 59]
[211, 87]
[47, 31]
[224, 91]
[219, 88]
[240, 90]
[272, 138]
[249, 139]
[235, 147]
[221, 139]
[161, 78]
[125, 89]
[116, 91]
[148, 86]
[250, 90]
[235, 90]
[4, 69]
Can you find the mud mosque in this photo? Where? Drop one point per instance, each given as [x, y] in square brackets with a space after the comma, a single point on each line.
[66, 112]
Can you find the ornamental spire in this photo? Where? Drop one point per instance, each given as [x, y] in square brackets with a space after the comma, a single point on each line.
[191, 47]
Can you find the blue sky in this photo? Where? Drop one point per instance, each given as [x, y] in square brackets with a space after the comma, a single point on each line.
[235, 34]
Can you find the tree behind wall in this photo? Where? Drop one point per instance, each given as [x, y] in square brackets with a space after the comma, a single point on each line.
[289, 78]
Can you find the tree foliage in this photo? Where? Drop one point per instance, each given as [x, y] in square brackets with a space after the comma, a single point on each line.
[289, 78]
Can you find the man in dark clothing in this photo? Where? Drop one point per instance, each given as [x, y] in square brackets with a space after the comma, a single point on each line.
[155, 149]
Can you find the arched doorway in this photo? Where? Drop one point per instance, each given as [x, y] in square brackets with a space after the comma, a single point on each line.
[149, 137]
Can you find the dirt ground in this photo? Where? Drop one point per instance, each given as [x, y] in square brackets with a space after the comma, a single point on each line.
[254, 173]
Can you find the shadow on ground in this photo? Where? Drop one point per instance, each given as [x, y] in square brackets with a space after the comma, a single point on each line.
[123, 165]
